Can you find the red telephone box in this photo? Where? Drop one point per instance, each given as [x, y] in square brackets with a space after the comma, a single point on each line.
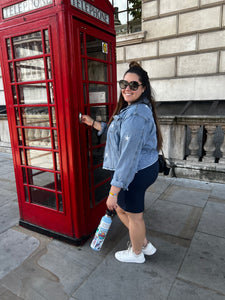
[58, 60]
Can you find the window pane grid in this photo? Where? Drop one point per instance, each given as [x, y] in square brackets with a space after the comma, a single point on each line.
[127, 16]
[29, 60]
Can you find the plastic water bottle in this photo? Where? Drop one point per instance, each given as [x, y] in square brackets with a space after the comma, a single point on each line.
[102, 230]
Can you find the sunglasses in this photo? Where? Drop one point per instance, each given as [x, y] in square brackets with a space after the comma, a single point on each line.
[133, 85]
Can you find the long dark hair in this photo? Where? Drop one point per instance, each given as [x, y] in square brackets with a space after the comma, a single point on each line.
[135, 68]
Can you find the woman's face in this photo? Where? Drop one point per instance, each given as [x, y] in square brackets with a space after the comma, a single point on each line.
[128, 94]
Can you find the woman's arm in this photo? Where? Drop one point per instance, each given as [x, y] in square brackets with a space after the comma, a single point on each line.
[112, 198]
[91, 122]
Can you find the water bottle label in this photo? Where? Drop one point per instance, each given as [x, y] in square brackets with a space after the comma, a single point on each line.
[104, 225]
[98, 240]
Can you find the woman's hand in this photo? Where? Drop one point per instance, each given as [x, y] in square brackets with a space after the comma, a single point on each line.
[87, 120]
[111, 202]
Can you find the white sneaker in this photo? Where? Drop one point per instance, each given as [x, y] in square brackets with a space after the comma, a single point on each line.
[149, 249]
[129, 256]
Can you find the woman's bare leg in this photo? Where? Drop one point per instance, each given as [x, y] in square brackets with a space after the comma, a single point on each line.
[124, 217]
[122, 214]
[137, 231]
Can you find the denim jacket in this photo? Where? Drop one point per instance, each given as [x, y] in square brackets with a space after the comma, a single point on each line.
[131, 143]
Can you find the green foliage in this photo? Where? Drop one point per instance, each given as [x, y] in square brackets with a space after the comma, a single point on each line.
[136, 6]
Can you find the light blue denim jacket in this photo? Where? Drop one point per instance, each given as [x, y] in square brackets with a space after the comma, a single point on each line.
[131, 143]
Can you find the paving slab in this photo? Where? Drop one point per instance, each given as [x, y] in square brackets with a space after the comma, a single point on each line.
[15, 247]
[150, 198]
[218, 191]
[213, 219]
[113, 280]
[173, 218]
[73, 265]
[186, 291]
[29, 280]
[192, 183]
[186, 195]
[160, 185]
[9, 215]
[204, 263]
[7, 196]
[7, 295]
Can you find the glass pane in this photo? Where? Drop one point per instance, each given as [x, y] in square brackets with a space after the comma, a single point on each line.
[30, 70]
[19, 136]
[57, 161]
[97, 71]
[53, 116]
[134, 4]
[35, 116]
[60, 202]
[9, 49]
[17, 116]
[39, 158]
[43, 198]
[97, 140]
[49, 68]
[33, 93]
[47, 45]
[85, 93]
[121, 4]
[55, 139]
[135, 20]
[41, 178]
[100, 113]
[22, 157]
[82, 43]
[98, 155]
[100, 175]
[26, 194]
[102, 192]
[51, 94]
[83, 69]
[12, 78]
[110, 52]
[24, 175]
[59, 188]
[121, 22]
[98, 93]
[14, 94]
[37, 137]
[110, 73]
[96, 48]
[27, 45]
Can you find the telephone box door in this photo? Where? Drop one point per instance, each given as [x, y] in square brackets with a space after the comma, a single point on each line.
[96, 50]
[32, 112]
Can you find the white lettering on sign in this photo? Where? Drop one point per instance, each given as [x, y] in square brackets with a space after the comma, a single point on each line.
[91, 10]
[22, 7]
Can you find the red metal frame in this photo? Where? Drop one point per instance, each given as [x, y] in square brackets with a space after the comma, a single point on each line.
[93, 211]
[64, 23]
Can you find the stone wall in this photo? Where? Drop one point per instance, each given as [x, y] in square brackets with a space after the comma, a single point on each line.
[182, 46]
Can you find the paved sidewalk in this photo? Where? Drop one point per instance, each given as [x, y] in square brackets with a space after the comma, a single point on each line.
[185, 220]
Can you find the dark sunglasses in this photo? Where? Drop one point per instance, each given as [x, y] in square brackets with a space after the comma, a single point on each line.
[133, 85]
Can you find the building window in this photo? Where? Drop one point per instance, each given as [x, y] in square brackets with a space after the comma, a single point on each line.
[127, 15]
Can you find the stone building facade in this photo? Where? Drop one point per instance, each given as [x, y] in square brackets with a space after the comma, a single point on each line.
[182, 46]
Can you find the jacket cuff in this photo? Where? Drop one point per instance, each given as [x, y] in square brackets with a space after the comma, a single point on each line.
[119, 184]
[103, 129]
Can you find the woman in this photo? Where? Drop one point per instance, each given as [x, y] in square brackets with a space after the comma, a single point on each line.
[131, 153]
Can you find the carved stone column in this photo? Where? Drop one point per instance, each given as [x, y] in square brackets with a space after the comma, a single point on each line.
[209, 146]
[222, 147]
[194, 146]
